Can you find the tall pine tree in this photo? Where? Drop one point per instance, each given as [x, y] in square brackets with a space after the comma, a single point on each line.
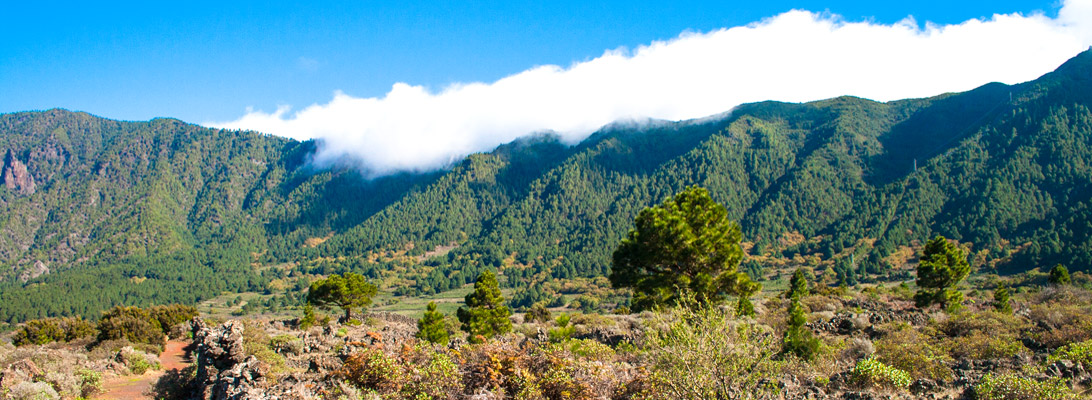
[485, 314]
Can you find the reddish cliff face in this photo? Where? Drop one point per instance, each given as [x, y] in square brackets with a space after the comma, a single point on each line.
[15, 175]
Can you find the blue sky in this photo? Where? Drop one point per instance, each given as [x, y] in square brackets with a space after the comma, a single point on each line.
[209, 61]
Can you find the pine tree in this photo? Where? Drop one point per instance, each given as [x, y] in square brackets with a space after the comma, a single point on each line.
[798, 338]
[681, 250]
[347, 291]
[942, 267]
[746, 288]
[1001, 299]
[308, 319]
[1059, 275]
[798, 285]
[485, 314]
[431, 326]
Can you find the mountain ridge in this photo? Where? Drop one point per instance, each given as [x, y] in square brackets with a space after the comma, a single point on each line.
[1000, 167]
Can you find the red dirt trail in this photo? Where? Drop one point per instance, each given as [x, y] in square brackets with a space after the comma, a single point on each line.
[139, 387]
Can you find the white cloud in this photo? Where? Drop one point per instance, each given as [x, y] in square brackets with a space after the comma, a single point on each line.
[795, 56]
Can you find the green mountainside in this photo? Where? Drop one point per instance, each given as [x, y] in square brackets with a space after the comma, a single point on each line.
[97, 212]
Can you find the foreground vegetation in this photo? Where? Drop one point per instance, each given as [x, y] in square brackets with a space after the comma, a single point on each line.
[869, 340]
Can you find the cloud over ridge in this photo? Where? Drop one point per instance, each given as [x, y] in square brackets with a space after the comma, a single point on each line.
[795, 56]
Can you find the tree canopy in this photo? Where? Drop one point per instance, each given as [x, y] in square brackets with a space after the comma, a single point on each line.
[431, 326]
[686, 246]
[942, 267]
[485, 314]
[1059, 275]
[347, 291]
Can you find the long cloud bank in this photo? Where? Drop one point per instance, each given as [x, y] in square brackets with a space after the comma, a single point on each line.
[795, 56]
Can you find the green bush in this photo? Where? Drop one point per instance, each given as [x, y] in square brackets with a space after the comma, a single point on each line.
[913, 351]
[431, 374]
[137, 362]
[39, 331]
[537, 313]
[1076, 352]
[372, 369]
[285, 343]
[798, 339]
[984, 346]
[1015, 387]
[432, 327]
[48, 330]
[984, 334]
[563, 331]
[590, 349]
[90, 382]
[871, 373]
[717, 354]
[131, 323]
[170, 315]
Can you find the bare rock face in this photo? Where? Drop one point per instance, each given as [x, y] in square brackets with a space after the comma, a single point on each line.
[38, 269]
[224, 371]
[15, 175]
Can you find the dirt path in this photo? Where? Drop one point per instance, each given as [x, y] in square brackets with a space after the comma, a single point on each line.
[135, 387]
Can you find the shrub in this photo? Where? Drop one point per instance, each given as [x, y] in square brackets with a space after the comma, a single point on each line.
[911, 350]
[39, 331]
[590, 349]
[170, 315]
[257, 343]
[564, 331]
[1059, 275]
[713, 350]
[1014, 387]
[137, 361]
[858, 348]
[871, 373]
[992, 322]
[131, 323]
[983, 346]
[32, 391]
[1058, 324]
[1076, 352]
[42, 331]
[286, 344]
[431, 374]
[90, 382]
[372, 369]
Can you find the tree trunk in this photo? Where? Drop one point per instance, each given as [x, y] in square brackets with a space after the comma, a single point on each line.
[348, 314]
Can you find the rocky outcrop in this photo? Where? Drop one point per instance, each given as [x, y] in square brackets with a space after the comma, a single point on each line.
[15, 175]
[224, 371]
[19, 371]
[38, 269]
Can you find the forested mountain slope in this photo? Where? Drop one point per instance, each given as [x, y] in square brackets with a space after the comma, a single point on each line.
[1002, 167]
[143, 212]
